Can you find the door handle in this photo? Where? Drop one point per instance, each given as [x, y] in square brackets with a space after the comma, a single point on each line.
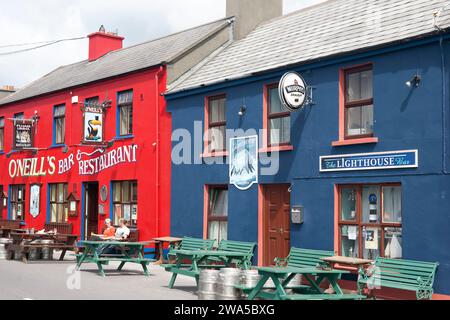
[281, 230]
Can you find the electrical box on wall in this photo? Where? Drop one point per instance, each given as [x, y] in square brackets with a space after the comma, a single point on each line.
[297, 215]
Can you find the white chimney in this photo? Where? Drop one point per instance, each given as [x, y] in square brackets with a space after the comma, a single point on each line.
[251, 13]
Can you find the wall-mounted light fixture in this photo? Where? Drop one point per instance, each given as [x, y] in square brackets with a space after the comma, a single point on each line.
[414, 82]
[242, 111]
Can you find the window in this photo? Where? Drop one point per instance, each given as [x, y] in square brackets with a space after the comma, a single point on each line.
[2, 134]
[91, 102]
[125, 199]
[359, 102]
[59, 124]
[218, 214]
[58, 203]
[216, 124]
[125, 110]
[17, 202]
[278, 120]
[370, 221]
[19, 116]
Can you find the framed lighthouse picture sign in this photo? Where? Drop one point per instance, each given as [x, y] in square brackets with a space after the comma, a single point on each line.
[244, 162]
[93, 120]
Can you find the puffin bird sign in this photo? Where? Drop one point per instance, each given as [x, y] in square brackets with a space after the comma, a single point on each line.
[244, 162]
[93, 124]
[293, 91]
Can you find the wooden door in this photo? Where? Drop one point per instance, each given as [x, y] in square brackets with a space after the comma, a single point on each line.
[277, 222]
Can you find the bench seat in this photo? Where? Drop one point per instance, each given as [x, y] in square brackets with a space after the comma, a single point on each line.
[400, 274]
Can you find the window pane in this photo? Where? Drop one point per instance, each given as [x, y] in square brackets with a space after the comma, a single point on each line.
[348, 204]
[220, 203]
[371, 204]
[371, 243]
[60, 130]
[126, 192]
[91, 101]
[125, 97]
[134, 195]
[60, 111]
[274, 102]
[117, 191]
[359, 86]
[349, 241]
[392, 204]
[217, 138]
[130, 120]
[117, 214]
[1, 138]
[393, 243]
[124, 120]
[2, 122]
[61, 193]
[360, 120]
[367, 119]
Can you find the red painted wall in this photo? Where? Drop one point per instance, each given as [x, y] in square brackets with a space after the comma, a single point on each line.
[153, 195]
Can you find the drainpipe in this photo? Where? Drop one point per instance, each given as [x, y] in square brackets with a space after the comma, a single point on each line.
[444, 111]
[158, 134]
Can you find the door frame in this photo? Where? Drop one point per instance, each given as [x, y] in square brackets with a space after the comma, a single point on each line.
[262, 221]
[84, 208]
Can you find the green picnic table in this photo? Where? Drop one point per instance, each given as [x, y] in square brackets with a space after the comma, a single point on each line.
[281, 276]
[200, 259]
[130, 252]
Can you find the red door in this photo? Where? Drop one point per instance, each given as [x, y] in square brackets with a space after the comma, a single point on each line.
[277, 222]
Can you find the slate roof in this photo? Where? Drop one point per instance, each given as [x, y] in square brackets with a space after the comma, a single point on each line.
[134, 58]
[332, 28]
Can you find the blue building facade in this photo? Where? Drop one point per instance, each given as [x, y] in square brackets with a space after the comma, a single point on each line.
[336, 205]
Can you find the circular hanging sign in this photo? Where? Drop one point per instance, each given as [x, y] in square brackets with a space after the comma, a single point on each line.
[104, 193]
[292, 90]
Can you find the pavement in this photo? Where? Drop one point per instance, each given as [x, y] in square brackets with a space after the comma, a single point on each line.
[55, 280]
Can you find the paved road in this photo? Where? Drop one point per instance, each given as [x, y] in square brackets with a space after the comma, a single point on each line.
[57, 281]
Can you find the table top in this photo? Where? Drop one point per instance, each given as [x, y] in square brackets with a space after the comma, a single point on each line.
[211, 253]
[168, 239]
[347, 260]
[288, 270]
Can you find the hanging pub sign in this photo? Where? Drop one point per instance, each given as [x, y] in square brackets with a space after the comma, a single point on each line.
[370, 161]
[293, 91]
[93, 124]
[23, 134]
[244, 162]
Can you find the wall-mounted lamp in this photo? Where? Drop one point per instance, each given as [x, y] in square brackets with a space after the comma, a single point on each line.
[414, 82]
[242, 111]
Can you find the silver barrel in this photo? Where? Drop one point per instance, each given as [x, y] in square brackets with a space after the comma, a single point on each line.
[47, 253]
[207, 284]
[3, 243]
[228, 279]
[249, 279]
[34, 253]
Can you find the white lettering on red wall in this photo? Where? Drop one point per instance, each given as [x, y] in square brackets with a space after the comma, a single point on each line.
[41, 167]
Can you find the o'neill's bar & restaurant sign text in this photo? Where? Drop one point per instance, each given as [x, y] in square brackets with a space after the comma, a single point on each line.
[370, 161]
[88, 163]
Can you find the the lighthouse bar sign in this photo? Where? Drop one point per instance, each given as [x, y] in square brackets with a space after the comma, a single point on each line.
[87, 163]
[370, 161]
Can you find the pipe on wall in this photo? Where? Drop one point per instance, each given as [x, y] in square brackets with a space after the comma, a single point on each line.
[158, 149]
[444, 109]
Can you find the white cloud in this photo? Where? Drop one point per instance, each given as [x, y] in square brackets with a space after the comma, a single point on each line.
[138, 20]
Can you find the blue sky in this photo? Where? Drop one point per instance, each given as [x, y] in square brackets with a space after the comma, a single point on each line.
[24, 21]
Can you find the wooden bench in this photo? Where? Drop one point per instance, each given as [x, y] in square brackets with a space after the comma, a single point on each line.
[238, 246]
[192, 244]
[61, 228]
[407, 275]
[10, 224]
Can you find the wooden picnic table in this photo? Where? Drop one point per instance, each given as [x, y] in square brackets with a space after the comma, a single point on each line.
[200, 260]
[22, 242]
[159, 247]
[6, 232]
[282, 276]
[130, 252]
[338, 262]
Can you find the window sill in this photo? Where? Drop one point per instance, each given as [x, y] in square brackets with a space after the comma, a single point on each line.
[351, 142]
[56, 146]
[130, 136]
[276, 149]
[214, 154]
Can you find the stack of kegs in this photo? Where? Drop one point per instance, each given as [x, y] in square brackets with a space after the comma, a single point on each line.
[3, 243]
[207, 284]
[47, 253]
[34, 253]
[229, 278]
